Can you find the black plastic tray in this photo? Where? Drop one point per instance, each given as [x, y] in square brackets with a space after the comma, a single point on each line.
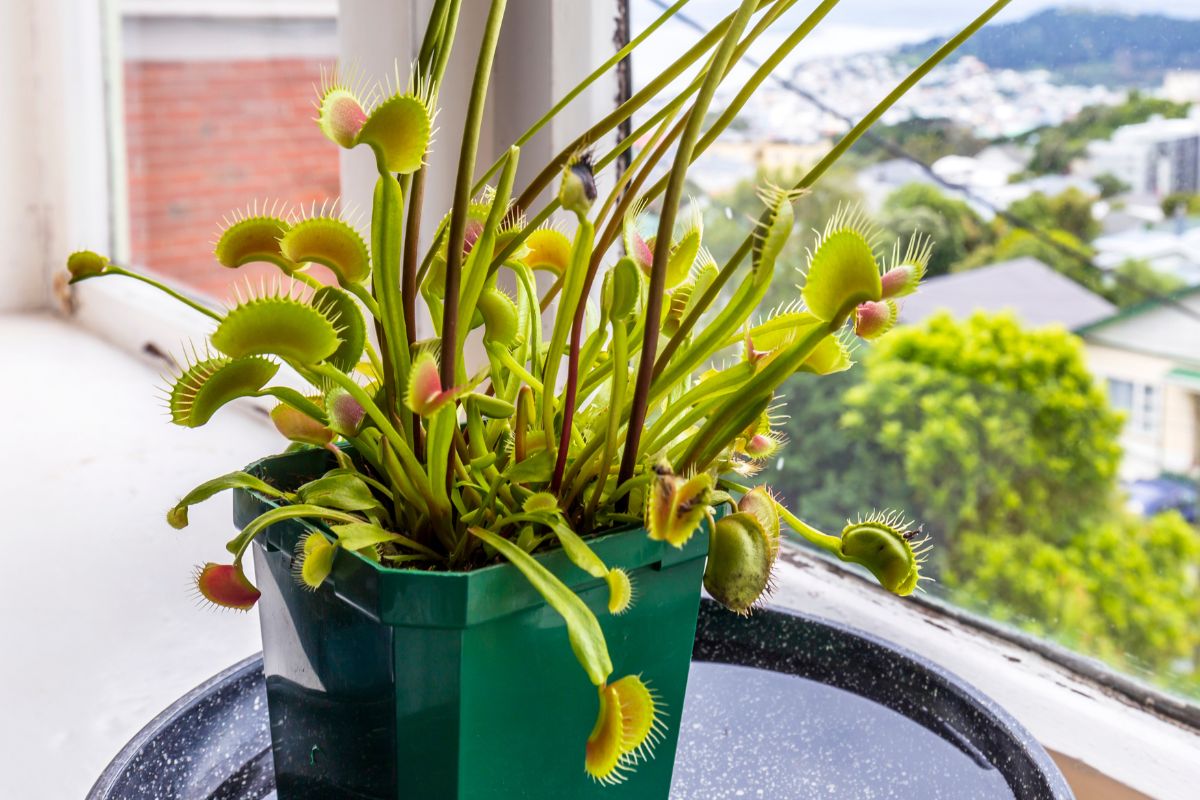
[780, 705]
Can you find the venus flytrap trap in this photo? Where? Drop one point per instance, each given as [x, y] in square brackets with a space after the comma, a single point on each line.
[648, 410]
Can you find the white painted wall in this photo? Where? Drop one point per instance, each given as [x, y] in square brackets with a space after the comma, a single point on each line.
[1163, 331]
[20, 216]
[53, 173]
[1172, 446]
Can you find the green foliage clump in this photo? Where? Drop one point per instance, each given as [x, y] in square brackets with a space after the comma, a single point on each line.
[991, 426]
[925, 139]
[1001, 443]
[1070, 211]
[1130, 283]
[1053, 249]
[1110, 185]
[1126, 590]
[952, 224]
[1187, 203]
[1135, 281]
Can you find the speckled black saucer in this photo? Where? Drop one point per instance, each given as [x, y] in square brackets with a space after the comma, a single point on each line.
[780, 705]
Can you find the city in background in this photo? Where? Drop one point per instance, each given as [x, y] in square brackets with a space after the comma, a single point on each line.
[1038, 408]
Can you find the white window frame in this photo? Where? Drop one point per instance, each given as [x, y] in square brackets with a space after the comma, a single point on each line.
[1145, 408]
[1113, 383]
[55, 67]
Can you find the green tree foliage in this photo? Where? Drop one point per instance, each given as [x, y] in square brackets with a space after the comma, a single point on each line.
[1136, 281]
[815, 476]
[1055, 148]
[1189, 202]
[955, 228]
[1110, 185]
[1131, 282]
[993, 427]
[1053, 249]
[999, 441]
[1070, 211]
[1065, 224]
[925, 139]
[1125, 589]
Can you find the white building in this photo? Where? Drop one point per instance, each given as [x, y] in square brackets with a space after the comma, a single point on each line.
[1182, 85]
[1149, 357]
[1156, 157]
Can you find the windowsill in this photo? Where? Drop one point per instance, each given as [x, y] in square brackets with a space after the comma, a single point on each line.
[138, 662]
[1106, 745]
[98, 626]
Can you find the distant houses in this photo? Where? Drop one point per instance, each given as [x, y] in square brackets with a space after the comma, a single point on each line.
[1153, 158]
[1147, 356]
[986, 177]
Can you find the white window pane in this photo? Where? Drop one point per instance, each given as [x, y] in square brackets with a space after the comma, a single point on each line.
[1120, 394]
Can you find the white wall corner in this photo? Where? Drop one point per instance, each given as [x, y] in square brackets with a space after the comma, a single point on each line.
[54, 196]
[23, 213]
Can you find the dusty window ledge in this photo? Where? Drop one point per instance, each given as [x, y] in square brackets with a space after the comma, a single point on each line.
[1102, 739]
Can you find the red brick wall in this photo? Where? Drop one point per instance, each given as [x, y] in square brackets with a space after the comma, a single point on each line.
[206, 137]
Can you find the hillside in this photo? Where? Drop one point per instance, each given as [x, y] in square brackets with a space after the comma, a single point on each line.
[1083, 46]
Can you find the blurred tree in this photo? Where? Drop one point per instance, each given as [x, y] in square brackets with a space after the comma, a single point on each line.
[815, 472]
[1135, 281]
[955, 228]
[1187, 201]
[1053, 248]
[925, 139]
[990, 427]
[1131, 282]
[1070, 211]
[1055, 148]
[1124, 590]
[1054, 152]
[1110, 185]
[1000, 442]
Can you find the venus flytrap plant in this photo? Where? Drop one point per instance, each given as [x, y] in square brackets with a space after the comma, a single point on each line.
[667, 398]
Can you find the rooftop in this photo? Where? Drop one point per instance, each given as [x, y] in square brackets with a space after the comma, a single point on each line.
[1033, 291]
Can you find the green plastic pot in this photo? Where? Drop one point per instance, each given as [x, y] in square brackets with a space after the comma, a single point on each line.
[398, 683]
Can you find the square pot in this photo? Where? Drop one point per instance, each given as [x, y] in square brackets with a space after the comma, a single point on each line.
[402, 683]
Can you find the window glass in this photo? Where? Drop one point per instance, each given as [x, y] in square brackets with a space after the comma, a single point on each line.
[1148, 421]
[1120, 394]
[1034, 409]
[218, 108]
